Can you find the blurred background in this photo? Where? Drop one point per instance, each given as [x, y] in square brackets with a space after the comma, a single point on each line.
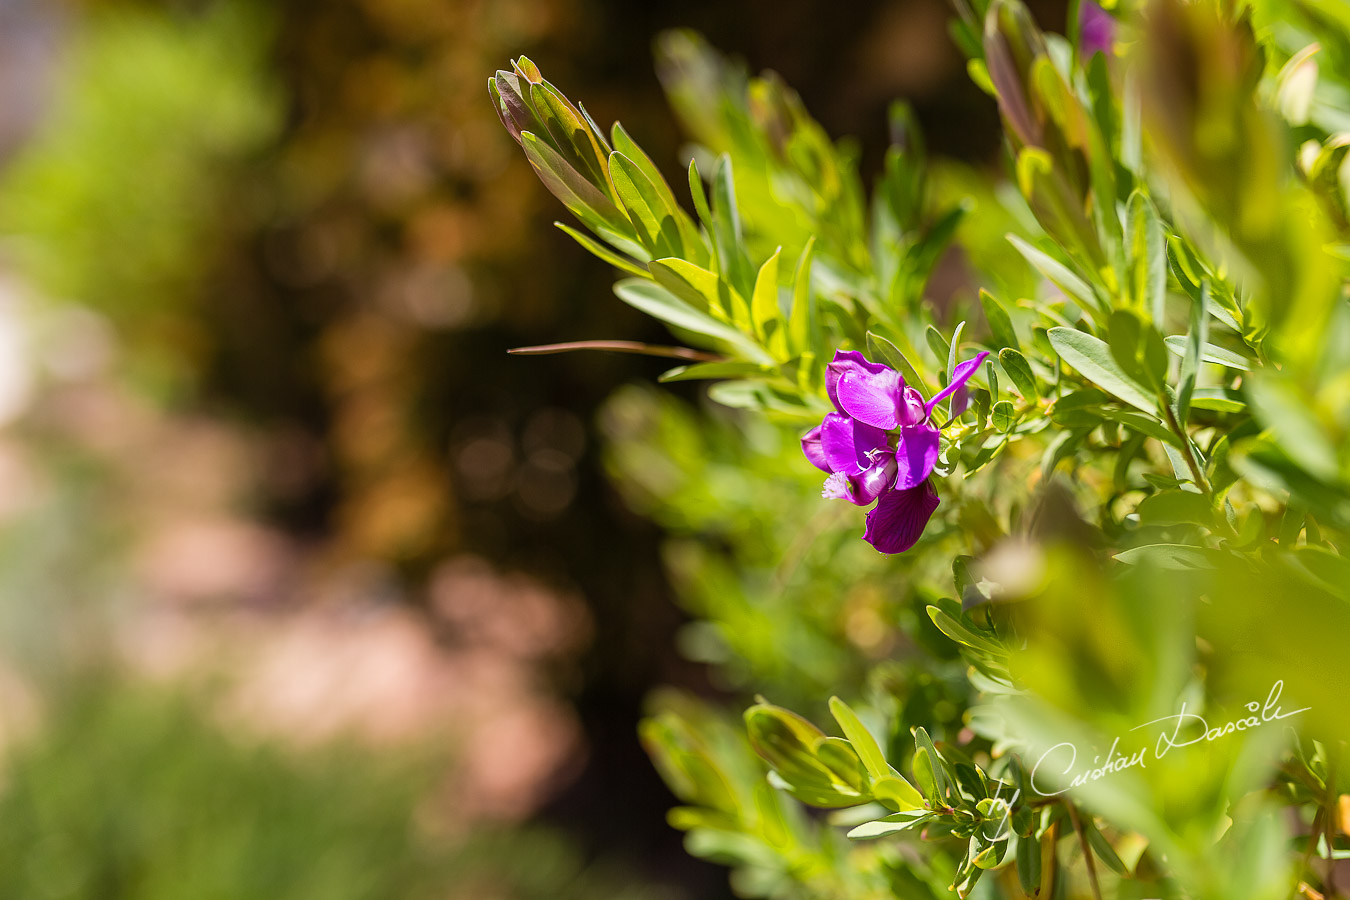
[307, 589]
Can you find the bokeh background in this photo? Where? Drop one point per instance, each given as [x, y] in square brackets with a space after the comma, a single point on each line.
[307, 589]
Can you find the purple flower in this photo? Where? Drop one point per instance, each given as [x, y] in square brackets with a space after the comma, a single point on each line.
[879, 445]
[1096, 30]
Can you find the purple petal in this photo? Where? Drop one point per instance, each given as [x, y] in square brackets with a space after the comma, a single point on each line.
[959, 378]
[916, 455]
[960, 400]
[912, 411]
[813, 450]
[1096, 30]
[850, 446]
[861, 488]
[899, 519]
[873, 483]
[847, 361]
[876, 398]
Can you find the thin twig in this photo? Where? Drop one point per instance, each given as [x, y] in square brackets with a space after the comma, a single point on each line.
[620, 347]
[1186, 450]
[1087, 852]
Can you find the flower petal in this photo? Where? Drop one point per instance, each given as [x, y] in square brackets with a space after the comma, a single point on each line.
[875, 398]
[911, 410]
[1096, 30]
[916, 455]
[845, 361]
[850, 446]
[960, 375]
[895, 523]
[811, 446]
[870, 485]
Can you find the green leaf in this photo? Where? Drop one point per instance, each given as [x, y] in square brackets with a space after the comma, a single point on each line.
[659, 303]
[923, 744]
[1019, 371]
[622, 263]
[1223, 400]
[938, 345]
[1190, 363]
[1142, 423]
[802, 323]
[655, 222]
[1056, 273]
[570, 132]
[1003, 416]
[1000, 323]
[697, 286]
[1148, 258]
[1178, 557]
[895, 792]
[714, 371]
[1092, 358]
[727, 232]
[1029, 865]
[700, 198]
[765, 311]
[892, 824]
[1175, 508]
[583, 199]
[869, 751]
[689, 236]
[959, 631]
[1210, 353]
[1102, 847]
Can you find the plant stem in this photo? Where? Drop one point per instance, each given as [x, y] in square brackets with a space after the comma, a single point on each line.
[620, 347]
[1087, 851]
[1186, 450]
[1329, 817]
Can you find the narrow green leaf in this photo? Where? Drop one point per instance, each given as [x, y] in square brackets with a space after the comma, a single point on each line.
[727, 231]
[1102, 847]
[764, 308]
[1190, 363]
[659, 303]
[962, 633]
[688, 233]
[1002, 332]
[1029, 865]
[869, 751]
[570, 133]
[583, 199]
[622, 263]
[656, 224]
[714, 371]
[892, 824]
[1210, 353]
[1056, 273]
[802, 322]
[1093, 359]
[1148, 258]
[938, 344]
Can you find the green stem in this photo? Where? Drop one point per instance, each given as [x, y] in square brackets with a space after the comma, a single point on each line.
[1087, 851]
[1187, 451]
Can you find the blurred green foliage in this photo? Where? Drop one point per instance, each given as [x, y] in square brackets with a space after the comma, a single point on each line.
[125, 193]
[1139, 552]
[135, 792]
